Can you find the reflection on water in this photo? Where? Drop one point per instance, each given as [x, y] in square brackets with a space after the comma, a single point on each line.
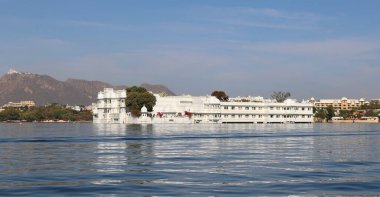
[129, 154]
[114, 159]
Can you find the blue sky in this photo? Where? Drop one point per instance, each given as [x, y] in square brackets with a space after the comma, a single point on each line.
[324, 49]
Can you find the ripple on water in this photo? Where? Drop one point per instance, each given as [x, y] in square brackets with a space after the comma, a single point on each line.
[92, 159]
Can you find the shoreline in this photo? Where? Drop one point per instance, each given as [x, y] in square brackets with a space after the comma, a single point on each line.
[48, 121]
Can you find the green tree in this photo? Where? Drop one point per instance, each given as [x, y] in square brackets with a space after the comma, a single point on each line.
[10, 114]
[137, 97]
[374, 104]
[28, 116]
[321, 114]
[371, 113]
[345, 114]
[221, 95]
[137, 89]
[280, 96]
[51, 112]
[330, 112]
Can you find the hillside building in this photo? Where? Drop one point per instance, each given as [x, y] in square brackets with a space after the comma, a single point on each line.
[339, 104]
[20, 104]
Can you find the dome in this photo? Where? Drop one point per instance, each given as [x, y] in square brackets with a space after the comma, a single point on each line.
[144, 109]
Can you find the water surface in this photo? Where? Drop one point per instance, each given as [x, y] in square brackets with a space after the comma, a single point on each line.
[74, 159]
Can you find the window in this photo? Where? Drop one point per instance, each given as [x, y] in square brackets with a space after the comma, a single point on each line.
[271, 108]
[247, 116]
[232, 107]
[185, 101]
[246, 108]
[225, 107]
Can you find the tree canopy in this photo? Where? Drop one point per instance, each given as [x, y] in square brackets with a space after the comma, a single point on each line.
[221, 95]
[374, 104]
[52, 112]
[137, 97]
[330, 112]
[280, 96]
[137, 89]
[345, 114]
[320, 114]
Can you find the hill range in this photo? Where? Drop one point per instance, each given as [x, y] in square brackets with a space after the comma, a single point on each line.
[43, 89]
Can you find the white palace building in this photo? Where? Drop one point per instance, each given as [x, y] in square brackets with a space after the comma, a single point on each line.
[110, 108]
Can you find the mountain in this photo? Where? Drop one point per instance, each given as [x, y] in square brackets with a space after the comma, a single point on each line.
[43, 89]
[89, 88]
[156, 88]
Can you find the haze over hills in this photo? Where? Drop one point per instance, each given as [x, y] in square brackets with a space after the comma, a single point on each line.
[42, 89]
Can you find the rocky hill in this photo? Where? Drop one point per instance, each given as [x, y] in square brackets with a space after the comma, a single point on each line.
[156, 88]
[42, 89]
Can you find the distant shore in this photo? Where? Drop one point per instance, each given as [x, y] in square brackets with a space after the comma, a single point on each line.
[46, 121]
[84, 121]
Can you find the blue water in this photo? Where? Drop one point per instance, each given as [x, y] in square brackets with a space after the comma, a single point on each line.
[72, 159]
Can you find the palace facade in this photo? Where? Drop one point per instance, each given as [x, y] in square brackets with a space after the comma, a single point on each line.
[110, 108]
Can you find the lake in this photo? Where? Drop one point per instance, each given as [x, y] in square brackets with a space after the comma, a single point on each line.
[72, 159]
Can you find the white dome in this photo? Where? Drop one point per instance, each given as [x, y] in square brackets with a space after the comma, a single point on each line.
[144, 109]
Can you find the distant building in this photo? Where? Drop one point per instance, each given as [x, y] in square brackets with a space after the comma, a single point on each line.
[80, 107]
[356, 120]
[339, 104]
[20, 104]
[374, 100]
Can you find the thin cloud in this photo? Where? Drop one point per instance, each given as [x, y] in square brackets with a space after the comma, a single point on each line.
[275, 13]
[264, 18]
[327, 48]
[101, 25]
[271, 25]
